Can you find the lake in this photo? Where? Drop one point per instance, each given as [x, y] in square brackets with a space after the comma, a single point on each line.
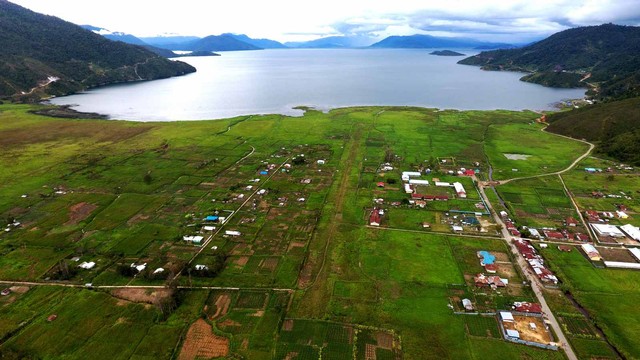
[275, 81]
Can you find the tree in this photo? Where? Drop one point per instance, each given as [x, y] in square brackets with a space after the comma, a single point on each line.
[148, 178]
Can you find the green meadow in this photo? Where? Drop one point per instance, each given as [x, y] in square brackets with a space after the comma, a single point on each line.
[305, 275]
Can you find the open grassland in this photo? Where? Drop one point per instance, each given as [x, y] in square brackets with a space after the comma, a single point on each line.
[315, 281]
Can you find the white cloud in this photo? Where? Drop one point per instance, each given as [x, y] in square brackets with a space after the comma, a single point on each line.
[294, 19]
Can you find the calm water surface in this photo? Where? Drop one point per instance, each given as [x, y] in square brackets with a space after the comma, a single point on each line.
[275, 81]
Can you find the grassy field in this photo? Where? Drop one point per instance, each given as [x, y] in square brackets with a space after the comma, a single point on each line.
[313, 278]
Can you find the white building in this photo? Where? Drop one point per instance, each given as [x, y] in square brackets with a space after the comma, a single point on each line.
[632, 231]
[607, 230]
[87, 265]
[196, 239]
[442, 183]
[232, 233]
[460, 190]
[408, 189]
[418, 182]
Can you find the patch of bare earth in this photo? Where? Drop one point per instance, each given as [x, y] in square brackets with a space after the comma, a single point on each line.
[202, 343]
[370, 352]
[222, 306]
[385, 340]
[228, 323]
[79, 212]
[141, 295]
[137, 218]
[287, 325]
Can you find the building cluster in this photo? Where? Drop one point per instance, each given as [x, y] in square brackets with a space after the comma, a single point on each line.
[535, 261]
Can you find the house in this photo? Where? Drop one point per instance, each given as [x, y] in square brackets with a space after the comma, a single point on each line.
[593, 216]
[582, 237]
[503, 214]
[565, 248]
[87, 265]
[632, 231]
[426, 225]
[491, 268]
[571, 221]
[607, 230]
[635, 252]
[590, 170]
[468, 172]
[506, 316]
[527, 307]
[555, 235]
[374, 218]
[380, 184]
[460, 190]
[320, 162]
[514, 334]
[208, 228]
[194, 239]
[408, 189]
[591, 252]
[408, 174]
[211, 218]
[140, 267]
[232, 233]
[201, 267]
[457, 228]
[621, 214]
[493, 281]
[418, 182]
[158, 270]
[534, 233]
[466, 303]
[442, 184]
[5, 292]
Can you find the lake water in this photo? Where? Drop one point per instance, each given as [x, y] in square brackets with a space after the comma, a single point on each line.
[275, 81]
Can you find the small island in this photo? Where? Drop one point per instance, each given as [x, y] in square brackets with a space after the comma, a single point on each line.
[446, 53]
[198, 53]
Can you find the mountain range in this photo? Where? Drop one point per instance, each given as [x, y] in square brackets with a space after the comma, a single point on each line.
[44, 55]
[428, 41]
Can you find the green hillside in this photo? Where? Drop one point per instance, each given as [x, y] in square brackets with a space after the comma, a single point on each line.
[615, 126]
[604, 57]
[37, 48]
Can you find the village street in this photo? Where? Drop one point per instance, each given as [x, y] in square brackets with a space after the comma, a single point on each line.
[536, 286]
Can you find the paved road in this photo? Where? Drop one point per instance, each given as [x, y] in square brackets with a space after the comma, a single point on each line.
[533, 280]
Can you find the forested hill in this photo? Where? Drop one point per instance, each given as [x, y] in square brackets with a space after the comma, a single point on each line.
[614, 126]
[606, 57]
[36, 49]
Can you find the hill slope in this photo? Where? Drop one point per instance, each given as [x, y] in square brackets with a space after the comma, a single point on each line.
[614, 125]
[332, 42]
[43, 55]
[605, 56]
[428, 41]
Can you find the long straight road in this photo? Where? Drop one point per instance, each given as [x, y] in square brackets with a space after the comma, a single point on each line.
[533, 280]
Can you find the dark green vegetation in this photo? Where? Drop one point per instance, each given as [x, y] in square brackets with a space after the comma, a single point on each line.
[615, 126]
[446, 53]
[604, 56]
[36, 47]
[313, 278]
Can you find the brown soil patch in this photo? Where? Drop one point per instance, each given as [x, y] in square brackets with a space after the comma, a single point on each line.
[259, 313]
[506, 270]
[296, 244]
[622, 255]
[19, 289]
[241, 261]
[287, 325]
[79, 212]
[540, 334]
[201, 342]
[245, 344]
[269, 264]
[137, 218]
[501, 257]
[222, 306]
[141, 295]
[290, 356]
[385, 340]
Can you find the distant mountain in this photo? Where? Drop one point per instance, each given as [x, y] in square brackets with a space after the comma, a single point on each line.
[220, 43]
[606, 57]
[428, 41]
[261, 43]
[115, 36]
[43, 55]
[333, 42]
[128, 39]
[170, 42]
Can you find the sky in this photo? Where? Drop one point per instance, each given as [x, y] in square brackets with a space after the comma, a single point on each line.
[515, 21]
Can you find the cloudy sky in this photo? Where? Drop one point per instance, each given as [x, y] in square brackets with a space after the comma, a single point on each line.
[291, 20]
